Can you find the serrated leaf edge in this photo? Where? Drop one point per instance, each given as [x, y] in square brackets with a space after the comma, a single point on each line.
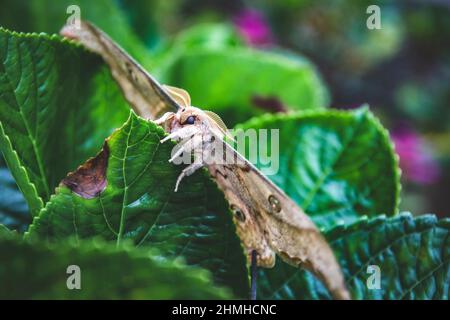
[7, 147]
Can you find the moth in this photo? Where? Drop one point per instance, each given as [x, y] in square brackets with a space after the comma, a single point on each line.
[267, 221]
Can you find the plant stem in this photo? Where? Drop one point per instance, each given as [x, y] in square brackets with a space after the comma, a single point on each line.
[253, 275]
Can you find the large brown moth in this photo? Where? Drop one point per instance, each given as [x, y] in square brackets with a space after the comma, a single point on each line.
[268, 222]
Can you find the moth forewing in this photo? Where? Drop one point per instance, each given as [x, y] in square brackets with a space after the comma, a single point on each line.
[249, 229]
[269, 222]
[147, 97]
[294, 236]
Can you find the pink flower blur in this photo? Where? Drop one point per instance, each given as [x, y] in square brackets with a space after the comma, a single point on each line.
[416, 159]
[252, 25]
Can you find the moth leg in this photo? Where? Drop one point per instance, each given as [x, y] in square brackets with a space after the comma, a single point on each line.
[181, 134]
[188, 171]
[178, 153]
[190, 145]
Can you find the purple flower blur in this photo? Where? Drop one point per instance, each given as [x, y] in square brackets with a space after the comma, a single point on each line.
[252, 25]
[416, 160]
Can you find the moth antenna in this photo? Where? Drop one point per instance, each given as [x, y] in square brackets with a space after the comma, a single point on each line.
[181, 96]
[222, 126]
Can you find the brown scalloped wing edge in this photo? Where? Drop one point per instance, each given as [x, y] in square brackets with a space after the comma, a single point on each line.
[89, 180]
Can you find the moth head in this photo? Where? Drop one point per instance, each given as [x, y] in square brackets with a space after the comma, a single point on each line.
[189, 116]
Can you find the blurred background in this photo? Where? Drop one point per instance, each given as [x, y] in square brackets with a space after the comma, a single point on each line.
[401, 70]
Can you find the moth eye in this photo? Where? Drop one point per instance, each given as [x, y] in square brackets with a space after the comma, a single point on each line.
[274, 203]
[190, 120]
[238, 213]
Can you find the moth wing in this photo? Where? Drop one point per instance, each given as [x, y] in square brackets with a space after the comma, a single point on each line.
[147, 97]
[286, 228]
[293, 235]
[181, 96]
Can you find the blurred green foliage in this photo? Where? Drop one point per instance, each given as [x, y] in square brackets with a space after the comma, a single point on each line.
[32, 270]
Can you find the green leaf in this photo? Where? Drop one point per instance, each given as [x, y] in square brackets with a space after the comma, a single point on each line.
[413, 255]
[4, 229]
[337, 165]
[40, 271]
[139, 204]
[20, 174]
[49, 16]
[54, 98]
[14, 212]
[208, 36]
[239, 82]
